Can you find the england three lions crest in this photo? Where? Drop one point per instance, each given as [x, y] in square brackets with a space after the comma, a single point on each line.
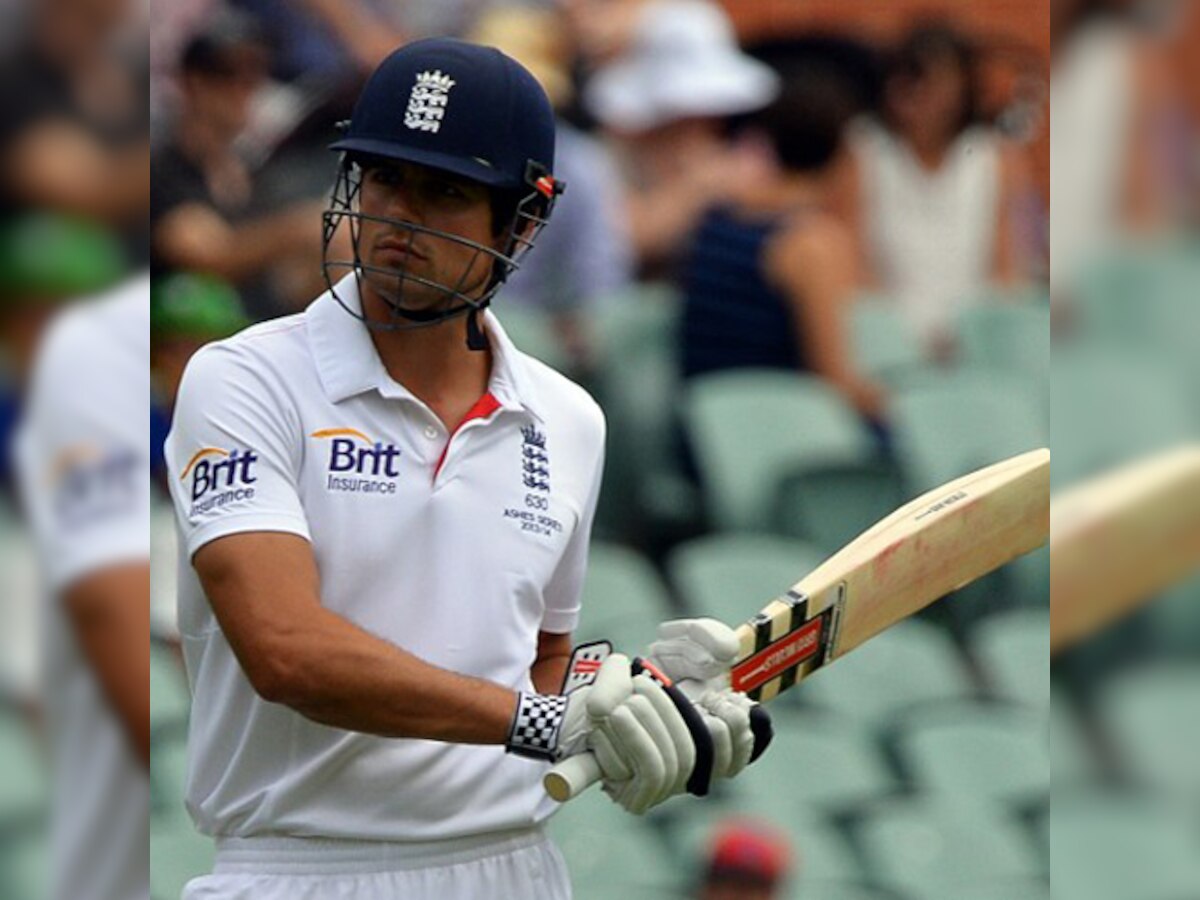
[535, 461]
[428, 101]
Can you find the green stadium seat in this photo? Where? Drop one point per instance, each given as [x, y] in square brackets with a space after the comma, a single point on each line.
[921, 846]
[732, 576]
[1091, 388]
[24, 784]
[1012, 649]
[817, 761]
[1072, 760]
[532, 332]
[914, 662]
[984, 752]
[1175, 619]
[883, 345]
[177, 855]
[1152, 716]
[1106, 846]
[963, 421]
[170, 700]
[749, 428]
[1016, 889]
[26, 865]
[815, 889]
[1007, 337]
[624, 599]
[612, 854]
[168, 775]
[830, 506]
[637, 384]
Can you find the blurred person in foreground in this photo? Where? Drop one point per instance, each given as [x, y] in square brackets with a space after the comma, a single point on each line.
[83, 465]
[201, 199]
[664, 103]
[385, 510]
[770, 274]
[935, 195]
[745, 861]
[585, 257]
[74, 131]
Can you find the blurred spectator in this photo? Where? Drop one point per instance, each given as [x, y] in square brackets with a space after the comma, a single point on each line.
[73, 117]
[770, 273]
[330, 40]
[583, 256]
[746, 861]
[81, 454]
[202, 189]
[665, 102]
[187, 311]
[935, 192]
[1111, 113]
[45, 260]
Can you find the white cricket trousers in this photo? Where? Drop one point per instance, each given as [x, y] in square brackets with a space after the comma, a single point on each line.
[521, 865]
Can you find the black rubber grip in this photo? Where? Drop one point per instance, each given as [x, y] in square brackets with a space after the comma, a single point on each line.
[763, 730]
[701, 778]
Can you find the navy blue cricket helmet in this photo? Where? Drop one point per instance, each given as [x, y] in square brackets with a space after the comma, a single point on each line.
[468, 110]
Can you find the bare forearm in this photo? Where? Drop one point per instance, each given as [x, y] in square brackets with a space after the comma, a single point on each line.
[110, 615]
[342, 676]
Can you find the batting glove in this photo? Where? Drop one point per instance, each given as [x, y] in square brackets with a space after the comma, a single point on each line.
[644, 736]
[697, 655]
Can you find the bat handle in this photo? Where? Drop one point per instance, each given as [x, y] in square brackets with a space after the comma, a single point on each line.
[571, 777]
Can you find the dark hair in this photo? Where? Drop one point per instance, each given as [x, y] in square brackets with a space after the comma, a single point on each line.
[213, 50]
[930, 44]
[808, 119]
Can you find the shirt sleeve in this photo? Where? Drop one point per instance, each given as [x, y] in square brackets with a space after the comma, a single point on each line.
[233, 457]
[564, 592]
[84, 459]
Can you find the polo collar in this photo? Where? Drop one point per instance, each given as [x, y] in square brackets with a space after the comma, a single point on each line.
[348, 363]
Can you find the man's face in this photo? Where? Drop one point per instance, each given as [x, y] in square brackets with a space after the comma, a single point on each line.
[410, 193]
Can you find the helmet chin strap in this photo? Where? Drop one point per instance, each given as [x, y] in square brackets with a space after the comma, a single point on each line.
[477, 338]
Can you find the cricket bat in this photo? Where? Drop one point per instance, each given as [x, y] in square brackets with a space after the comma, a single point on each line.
[1121, 538]
[926, 549]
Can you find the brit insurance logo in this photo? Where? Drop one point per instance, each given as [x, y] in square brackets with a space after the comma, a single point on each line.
[428, 101]
[357, 464]
[219, 477]
[89, 484]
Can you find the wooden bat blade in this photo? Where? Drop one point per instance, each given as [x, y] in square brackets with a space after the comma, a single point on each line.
[1120, 539]
[941, 541]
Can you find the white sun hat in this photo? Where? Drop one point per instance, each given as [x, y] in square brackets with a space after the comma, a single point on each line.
[683, 62]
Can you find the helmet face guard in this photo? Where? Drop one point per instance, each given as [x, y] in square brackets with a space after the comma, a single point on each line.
[526, 218]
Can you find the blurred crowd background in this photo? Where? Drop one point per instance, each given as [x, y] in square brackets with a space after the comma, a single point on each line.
[804, 263]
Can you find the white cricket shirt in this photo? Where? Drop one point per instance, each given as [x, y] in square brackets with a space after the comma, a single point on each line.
[84, 463]
[458, 548]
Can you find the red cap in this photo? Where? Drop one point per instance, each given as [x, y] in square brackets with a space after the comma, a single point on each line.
[749, 849]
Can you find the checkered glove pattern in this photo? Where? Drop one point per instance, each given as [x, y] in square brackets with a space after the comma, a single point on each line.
[536, 726]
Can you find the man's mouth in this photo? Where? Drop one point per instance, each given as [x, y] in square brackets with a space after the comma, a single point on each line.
[401, 248]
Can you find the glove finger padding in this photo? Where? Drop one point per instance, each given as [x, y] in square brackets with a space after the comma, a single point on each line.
[674, 732]
[699, 649]
[732, 710]
[612, 687]
[630, 728]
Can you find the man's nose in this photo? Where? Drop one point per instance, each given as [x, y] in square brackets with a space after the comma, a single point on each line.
[403, 202]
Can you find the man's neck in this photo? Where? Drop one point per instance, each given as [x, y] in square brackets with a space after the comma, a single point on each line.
[435, 364]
